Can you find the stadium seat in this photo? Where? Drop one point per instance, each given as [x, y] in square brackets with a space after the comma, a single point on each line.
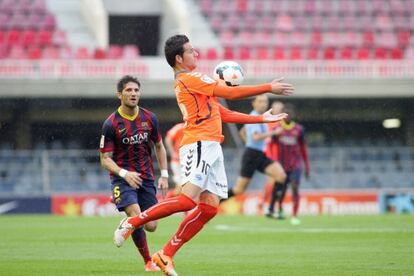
[329, 53]
[29, 38]
[211, 54]
[244, 53]
[295, 53]
[380, 53]
[262, 53]
[82, 53]
[13, 37]
[3, 51]
[17, 52]
[59, 38]
[34, 52]
[99, 53]
[312, 53]
[278, 53]
[403, 38]
[49, 22]
[45, 37]
[51, 52]
[130, 52]
[396, 53]
[346, 53]
[228, 53]
[114, 52]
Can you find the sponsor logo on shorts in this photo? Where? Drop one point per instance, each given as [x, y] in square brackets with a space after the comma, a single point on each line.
[221, 185]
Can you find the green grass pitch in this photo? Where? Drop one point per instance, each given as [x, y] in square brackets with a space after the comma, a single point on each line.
[228, 245]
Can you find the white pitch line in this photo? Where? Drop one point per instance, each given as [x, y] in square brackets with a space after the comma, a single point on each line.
[229, 228]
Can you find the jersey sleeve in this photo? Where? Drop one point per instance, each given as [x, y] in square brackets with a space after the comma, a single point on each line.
[198, 83]
[155, 135]
[108, 137]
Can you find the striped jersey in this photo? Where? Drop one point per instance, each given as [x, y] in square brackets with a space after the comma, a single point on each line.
[130, 139]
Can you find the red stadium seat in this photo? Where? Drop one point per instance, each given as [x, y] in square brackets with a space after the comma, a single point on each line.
[278, 53]
[380, 53]
[295, 53]
[82, 53]
[363, 53]
[114, 52]
[17, 52]
[13, 37]
[245, 38]
[227, 38]
[51, 52]
[329, 53]
[29, 38]
[99, 53]
[403, 38]
[244, 53]
[241, 6]
[396, 53]
[211, 54]
[368, 38]
[346, 53]
[59, 38]
[45, 38]
[262, 53]
[316, 39]
[34, 52]
[49, 22]
[130, 52]
[312, 53]
[228, 53]
[3, 51]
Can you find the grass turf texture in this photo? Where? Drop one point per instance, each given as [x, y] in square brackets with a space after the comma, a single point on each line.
[228, 245]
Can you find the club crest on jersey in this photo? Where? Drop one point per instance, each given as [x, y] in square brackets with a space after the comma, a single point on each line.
[145, 125]
[136, 139]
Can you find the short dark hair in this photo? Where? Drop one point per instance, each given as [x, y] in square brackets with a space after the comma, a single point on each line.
[124, 80]
[174, 46]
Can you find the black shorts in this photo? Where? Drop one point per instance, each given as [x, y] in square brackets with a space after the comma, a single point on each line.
[124, 195]
[253, 160]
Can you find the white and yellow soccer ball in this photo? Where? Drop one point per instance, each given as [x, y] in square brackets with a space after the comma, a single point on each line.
[229, 73]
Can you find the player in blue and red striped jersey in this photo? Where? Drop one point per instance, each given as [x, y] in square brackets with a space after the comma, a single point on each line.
[292, 151]
[128, 137]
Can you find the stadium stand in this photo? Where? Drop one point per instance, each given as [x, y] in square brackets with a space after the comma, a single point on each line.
[60, 170]
[247, 29]
[346, 29]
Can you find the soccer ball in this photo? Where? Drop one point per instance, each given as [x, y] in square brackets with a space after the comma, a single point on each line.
[229, 73]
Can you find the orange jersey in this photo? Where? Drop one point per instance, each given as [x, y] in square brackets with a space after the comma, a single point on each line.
[200, 109]
[175, 134]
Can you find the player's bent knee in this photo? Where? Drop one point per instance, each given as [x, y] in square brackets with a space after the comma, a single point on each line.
[151, 226]
[186, 202]
[207, 211]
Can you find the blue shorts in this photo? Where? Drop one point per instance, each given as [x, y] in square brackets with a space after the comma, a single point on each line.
[293, 176]
[124, 195]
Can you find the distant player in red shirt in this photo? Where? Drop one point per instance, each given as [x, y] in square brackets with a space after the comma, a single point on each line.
[271, 151]
[172, 143]
[128, 136]
[292, 151]
[204, 180]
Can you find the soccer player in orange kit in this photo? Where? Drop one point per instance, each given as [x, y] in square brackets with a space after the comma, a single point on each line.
[201, 156]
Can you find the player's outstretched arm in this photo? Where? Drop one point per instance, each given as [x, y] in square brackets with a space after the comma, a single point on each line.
[230, 116]
[276, 87]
